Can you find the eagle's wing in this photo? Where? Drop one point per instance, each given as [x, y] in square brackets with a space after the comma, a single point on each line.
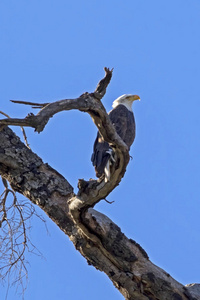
[124, 123]
[100, 155]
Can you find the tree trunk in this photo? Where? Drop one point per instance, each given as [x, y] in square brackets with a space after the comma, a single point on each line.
[93, 234]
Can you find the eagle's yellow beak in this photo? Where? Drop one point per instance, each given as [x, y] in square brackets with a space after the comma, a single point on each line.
[134, 97]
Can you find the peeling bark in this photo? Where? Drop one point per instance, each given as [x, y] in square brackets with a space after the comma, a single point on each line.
[97, 238]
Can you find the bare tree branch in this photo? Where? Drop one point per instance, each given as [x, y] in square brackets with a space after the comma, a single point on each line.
[34, 105]
[97, 238]
[93, 191]
[84, 103]
[14, 237]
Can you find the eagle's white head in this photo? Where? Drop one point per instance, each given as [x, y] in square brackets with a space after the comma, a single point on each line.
[126, 100]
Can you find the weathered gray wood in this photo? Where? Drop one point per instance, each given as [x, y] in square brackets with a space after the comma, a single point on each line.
[97, 238]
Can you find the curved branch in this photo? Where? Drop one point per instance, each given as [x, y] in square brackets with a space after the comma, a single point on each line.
[84, 103]
[93, 191]
[123, 260]
[97, 238]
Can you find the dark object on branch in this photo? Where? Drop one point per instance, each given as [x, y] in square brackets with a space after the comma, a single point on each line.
[123, 120]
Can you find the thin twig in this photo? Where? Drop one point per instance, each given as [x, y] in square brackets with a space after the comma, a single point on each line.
[36, 105]
[14, 239]
[1, 112]
[22, 128]
[109, 202]
[25, 137]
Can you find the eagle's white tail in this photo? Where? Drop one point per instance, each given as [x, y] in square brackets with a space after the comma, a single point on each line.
[109, 162]
[107, 171]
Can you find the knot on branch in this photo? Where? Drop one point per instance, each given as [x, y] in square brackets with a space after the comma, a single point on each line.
[82, 185]
[36, 122]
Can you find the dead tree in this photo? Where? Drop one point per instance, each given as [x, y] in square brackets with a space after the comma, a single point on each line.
[93, 234]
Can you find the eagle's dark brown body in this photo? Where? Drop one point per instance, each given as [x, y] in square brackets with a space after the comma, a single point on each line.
[124, 122]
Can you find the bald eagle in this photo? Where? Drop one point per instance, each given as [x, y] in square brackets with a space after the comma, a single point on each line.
[123, 120]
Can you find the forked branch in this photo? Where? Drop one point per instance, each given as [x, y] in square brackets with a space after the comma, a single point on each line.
[97, 238]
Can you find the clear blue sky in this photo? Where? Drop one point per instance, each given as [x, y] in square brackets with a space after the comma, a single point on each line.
[51, 50]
